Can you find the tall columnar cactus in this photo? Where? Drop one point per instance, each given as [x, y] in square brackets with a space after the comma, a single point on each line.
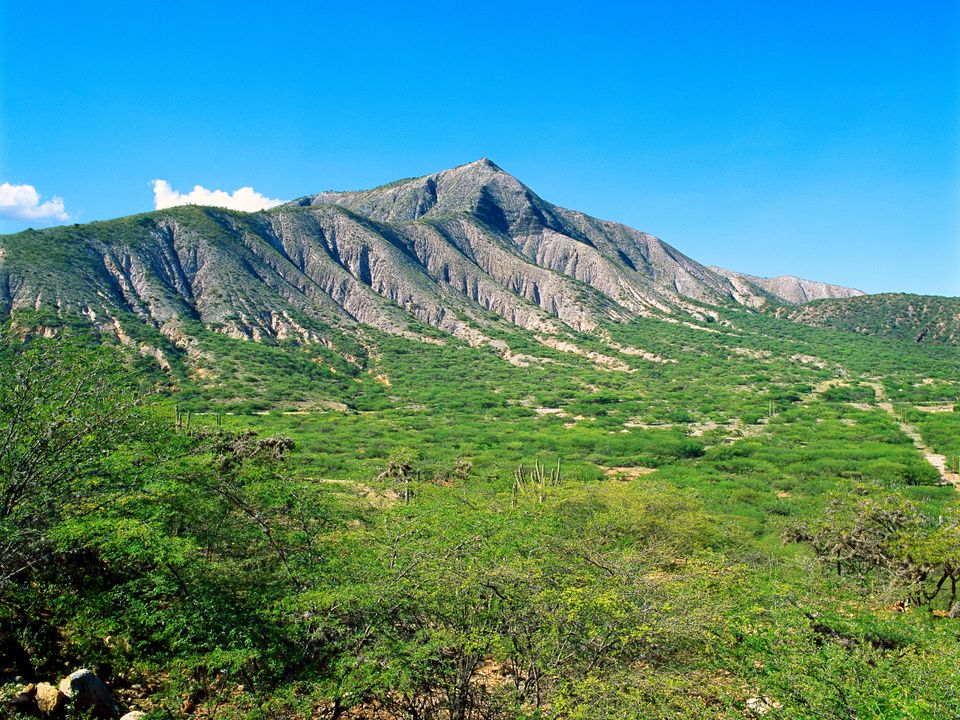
[535, 482]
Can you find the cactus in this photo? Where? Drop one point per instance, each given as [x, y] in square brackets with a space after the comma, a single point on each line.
[534, 482]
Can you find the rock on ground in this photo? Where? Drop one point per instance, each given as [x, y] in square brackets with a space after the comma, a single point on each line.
[49, 699]
[86, 690]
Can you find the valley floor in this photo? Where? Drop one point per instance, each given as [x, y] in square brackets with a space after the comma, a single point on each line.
[753, 521]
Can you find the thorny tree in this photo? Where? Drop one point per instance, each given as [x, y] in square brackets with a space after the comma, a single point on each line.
[61, 412]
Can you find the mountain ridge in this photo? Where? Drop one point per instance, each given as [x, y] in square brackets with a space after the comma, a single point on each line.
[792, 289]
[413, 198]
[446, 250]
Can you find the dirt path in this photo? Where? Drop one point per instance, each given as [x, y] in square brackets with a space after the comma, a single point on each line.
[938, 461]
[376, 498]
[824, 385]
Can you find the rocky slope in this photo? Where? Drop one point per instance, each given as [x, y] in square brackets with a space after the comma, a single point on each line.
[453, 251]
[789, 289]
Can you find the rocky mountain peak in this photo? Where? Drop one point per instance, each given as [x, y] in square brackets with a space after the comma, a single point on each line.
[480, 187]
[485, 163]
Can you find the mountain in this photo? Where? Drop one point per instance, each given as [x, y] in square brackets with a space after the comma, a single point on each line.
[455, 251]
[916, 318]
[788, 288]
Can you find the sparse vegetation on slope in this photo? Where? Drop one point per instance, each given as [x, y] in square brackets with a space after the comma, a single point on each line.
[914, 318]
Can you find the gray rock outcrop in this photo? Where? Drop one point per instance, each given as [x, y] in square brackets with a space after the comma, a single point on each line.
[85, 690]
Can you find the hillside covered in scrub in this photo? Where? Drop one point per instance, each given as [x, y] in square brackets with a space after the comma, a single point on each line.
[914, 318]
[675, 520]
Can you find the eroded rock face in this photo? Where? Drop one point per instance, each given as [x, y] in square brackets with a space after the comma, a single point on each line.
[445, 250]
[85, 690]
[789, 289]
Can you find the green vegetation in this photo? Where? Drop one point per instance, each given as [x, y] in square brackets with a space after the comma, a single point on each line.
[913, 318]
[722, 523]
[940, 430]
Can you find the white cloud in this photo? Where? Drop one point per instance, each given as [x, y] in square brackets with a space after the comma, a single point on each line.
[245, 198]
[22, 202]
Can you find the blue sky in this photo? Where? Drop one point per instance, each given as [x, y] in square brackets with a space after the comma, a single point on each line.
[820, 139]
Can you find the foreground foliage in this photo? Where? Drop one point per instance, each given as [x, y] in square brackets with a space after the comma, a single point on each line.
[792, 555]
